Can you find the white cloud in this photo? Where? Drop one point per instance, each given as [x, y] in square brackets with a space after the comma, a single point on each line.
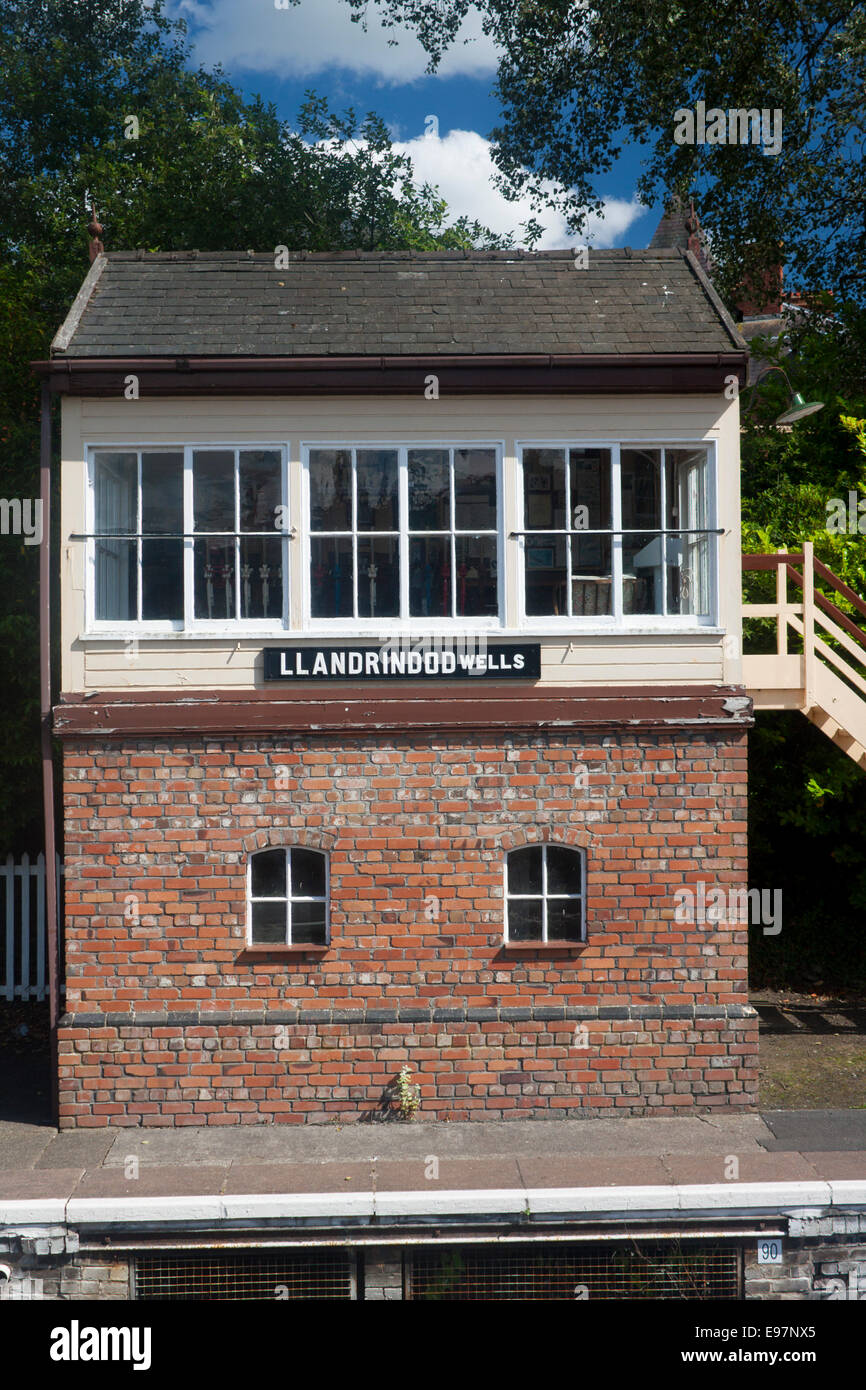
[461, 166]
[319, 34]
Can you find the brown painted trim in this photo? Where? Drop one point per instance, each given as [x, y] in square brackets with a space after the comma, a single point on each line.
[771, 562]
[51, 915]
[665, 373]
[840, 618]
[441, 707]
[841, 588]
[522, 948]
[265, 953]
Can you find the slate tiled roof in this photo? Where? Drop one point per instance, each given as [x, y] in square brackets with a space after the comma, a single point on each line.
[395, 303]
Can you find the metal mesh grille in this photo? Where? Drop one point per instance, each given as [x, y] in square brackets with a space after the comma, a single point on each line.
[272, 1275]
[466, 1273]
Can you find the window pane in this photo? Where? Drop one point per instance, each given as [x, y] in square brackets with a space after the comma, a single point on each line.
[378, 577]
[590, 576]
[269, 923]
[261, 577]
[590, 488]
[115, 479]
[162, 579]
[544, 489]
[214, 564]
[475, 578]
[524, 920]
[268, 874]
[331, 578]
[563, 870]
[686, 475]
[330, 490]
[475, 489]
[259, 484]
[641, 499]
[116, 580]
[429, 490]
[643, 573]
[689, 582]
[524, 870]
[688, 506]
[213, 474]
[377, 490]
[162, 493]
[308, 924]
[308, 874]
[546, 575]
[430, 577]
[564, 919]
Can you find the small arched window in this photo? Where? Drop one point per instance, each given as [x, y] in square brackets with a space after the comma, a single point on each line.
[288, 897]
[544, 894]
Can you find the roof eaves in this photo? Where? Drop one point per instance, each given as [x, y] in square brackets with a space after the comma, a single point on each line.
[64, 335]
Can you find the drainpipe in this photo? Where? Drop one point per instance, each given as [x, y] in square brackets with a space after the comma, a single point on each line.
[45, 721]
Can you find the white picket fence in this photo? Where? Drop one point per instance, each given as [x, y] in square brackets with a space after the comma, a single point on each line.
[23, 934]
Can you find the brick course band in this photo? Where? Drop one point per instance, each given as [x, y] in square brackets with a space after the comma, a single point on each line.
[363, 1017]
[172, 1020]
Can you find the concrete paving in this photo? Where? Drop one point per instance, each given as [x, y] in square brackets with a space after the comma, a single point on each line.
[484, 1140]
[817, 1129]
[37, 1162]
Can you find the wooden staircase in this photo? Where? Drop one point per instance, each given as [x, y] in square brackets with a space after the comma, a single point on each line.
[825, 680]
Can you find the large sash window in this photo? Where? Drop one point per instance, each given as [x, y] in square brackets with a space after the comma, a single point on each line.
[405, 533]
[618, 532]
[185, 537]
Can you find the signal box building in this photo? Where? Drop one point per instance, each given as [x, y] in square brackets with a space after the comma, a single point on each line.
[401, 695]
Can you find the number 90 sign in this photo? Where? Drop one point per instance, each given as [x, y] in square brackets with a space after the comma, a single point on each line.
[770, 1251]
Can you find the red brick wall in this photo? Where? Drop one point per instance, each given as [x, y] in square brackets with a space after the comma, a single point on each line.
[172, 1021]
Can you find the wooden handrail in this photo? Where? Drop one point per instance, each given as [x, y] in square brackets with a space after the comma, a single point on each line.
[841, 587]
[840, 619]
[795, 575]
[769, 562]
[831, 608]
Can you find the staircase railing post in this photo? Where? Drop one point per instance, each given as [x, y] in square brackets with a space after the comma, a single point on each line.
[808, 625]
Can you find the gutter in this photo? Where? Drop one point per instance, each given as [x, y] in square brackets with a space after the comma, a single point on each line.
[468, 374]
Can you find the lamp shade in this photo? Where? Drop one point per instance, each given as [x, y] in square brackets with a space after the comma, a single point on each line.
[798, 409]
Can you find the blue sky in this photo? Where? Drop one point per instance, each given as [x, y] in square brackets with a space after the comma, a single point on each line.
[281, 53]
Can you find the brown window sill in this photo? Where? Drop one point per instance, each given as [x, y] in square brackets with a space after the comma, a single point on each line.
[542, 945]
[259, 950]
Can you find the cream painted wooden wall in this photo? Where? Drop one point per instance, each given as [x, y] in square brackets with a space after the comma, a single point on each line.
[597, 658]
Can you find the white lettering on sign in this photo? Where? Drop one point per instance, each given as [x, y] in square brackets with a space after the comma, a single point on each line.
[310, 663]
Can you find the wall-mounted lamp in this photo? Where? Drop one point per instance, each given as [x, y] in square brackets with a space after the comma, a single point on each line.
[798, 406]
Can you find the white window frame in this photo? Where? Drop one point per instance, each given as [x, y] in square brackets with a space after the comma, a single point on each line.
[617, 621]
[190, 625]
[383, 626]
[289, 899]
[543, 897]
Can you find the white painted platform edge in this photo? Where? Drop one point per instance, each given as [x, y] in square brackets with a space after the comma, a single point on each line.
[791, 1197]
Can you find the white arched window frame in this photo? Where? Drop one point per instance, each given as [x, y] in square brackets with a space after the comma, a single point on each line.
[545, 894]
[288, 897]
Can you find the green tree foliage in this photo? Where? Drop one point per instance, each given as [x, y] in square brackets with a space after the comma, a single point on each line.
[807, 799]
[578, 81]
[99, 107]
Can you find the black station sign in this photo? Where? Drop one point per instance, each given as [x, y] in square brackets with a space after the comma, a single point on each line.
[394, 661]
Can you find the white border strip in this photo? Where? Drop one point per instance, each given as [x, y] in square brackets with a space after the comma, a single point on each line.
[791, 1197]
